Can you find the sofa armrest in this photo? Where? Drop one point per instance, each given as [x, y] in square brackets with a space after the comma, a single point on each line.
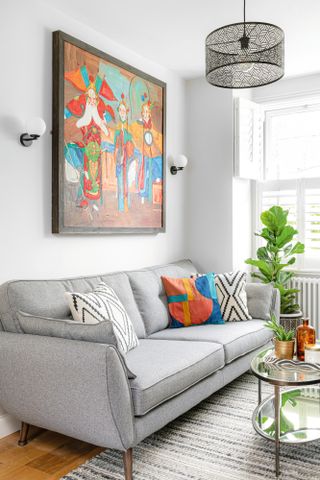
[76, 388]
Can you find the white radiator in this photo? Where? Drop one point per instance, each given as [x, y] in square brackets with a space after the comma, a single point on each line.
[309, 299]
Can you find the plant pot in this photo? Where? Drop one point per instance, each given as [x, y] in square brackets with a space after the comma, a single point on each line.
[284, 350]
[290, 321]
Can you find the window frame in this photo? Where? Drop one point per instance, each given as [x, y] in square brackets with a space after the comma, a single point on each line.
[276, 111]
[306, 264]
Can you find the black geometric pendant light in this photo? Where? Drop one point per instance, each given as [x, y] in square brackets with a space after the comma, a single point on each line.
[244, 55]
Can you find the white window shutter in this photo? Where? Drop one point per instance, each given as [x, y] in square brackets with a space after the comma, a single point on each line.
[248, 139]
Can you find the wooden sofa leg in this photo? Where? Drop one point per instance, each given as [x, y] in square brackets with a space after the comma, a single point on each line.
[127, 463]
[23, 440]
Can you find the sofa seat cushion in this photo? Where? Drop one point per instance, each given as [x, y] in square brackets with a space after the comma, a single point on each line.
[237, 338]
[164, 369]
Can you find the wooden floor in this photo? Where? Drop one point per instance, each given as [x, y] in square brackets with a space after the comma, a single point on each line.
[47, 456]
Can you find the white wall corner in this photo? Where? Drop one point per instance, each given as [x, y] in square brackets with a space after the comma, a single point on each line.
[8, 425]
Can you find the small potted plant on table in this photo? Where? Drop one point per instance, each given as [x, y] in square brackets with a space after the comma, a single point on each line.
[284, 340]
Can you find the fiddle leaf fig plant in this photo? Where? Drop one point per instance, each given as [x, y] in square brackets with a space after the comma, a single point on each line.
[277, 255]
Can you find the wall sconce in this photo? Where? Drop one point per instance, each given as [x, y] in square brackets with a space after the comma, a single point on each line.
[178, 164]
[35, 128]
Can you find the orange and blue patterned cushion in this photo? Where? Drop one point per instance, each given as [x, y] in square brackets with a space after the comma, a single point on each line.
[192, 301]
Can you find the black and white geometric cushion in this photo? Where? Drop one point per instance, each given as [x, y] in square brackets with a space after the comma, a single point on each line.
[103, 304]
[232, 297]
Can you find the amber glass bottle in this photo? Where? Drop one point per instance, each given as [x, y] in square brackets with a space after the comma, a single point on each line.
[305, 335]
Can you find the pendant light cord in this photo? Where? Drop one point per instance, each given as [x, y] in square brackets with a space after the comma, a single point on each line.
[244, 17]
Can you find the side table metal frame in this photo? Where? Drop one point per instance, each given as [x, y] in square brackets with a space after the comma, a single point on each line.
[277, 410]
[277, 406]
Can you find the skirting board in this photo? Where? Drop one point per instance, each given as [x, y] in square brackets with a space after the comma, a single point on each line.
[8, 425]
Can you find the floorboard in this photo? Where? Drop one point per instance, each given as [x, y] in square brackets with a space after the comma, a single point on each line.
[47, 456]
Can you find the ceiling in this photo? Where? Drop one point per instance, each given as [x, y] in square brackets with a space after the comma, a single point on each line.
[172, 32]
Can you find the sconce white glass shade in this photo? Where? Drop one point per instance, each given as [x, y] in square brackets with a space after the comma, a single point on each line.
[36, 126]
[180, 161]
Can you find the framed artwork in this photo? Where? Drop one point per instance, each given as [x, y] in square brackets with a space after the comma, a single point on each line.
[108, 161]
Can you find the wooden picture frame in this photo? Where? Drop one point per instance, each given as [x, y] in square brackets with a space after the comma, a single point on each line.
[109, 137]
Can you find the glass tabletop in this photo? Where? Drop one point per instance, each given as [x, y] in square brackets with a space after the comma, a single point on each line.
[286, 375]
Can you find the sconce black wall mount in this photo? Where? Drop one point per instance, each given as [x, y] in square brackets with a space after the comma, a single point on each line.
[26, 139]
[174, 170]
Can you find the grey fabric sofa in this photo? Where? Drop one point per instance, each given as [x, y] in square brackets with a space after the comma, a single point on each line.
[81, 389]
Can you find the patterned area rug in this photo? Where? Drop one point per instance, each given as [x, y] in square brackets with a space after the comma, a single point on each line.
[213, 441]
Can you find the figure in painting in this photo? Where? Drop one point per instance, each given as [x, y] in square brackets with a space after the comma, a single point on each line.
[93, 114]
[151, 161]
[123, 151]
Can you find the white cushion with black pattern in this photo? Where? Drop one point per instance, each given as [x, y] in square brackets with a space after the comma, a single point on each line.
[103, 304]
[232, 297]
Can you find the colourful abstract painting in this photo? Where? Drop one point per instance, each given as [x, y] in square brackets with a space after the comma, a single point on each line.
[108, 143]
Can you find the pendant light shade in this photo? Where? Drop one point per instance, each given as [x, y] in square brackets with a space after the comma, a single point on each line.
[244, 55]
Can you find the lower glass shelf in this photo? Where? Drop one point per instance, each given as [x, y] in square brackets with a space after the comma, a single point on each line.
[299, 415]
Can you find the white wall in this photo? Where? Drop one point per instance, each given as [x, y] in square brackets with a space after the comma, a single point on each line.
[28, 249]
[219, 206]
[288, 88]
[210, 150]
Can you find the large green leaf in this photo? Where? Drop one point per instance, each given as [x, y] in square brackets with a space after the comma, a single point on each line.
[266, 234]
[279, 266]
[262, 253]
[269, 220]
[285, 236]
[273, 248]
[298, 248]
[292, 261]
[264, 267]
[261, 277]
[274, 219]
[281, 216]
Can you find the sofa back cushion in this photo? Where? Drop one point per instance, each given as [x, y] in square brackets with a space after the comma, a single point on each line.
[150, 295]
[46, 298]
[260, 300]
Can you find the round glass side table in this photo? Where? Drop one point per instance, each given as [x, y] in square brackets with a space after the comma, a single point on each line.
[291, 414]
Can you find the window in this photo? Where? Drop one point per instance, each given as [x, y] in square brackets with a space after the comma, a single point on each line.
[291, 173]
[292, 143]
[302, 198]
[312, 220]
